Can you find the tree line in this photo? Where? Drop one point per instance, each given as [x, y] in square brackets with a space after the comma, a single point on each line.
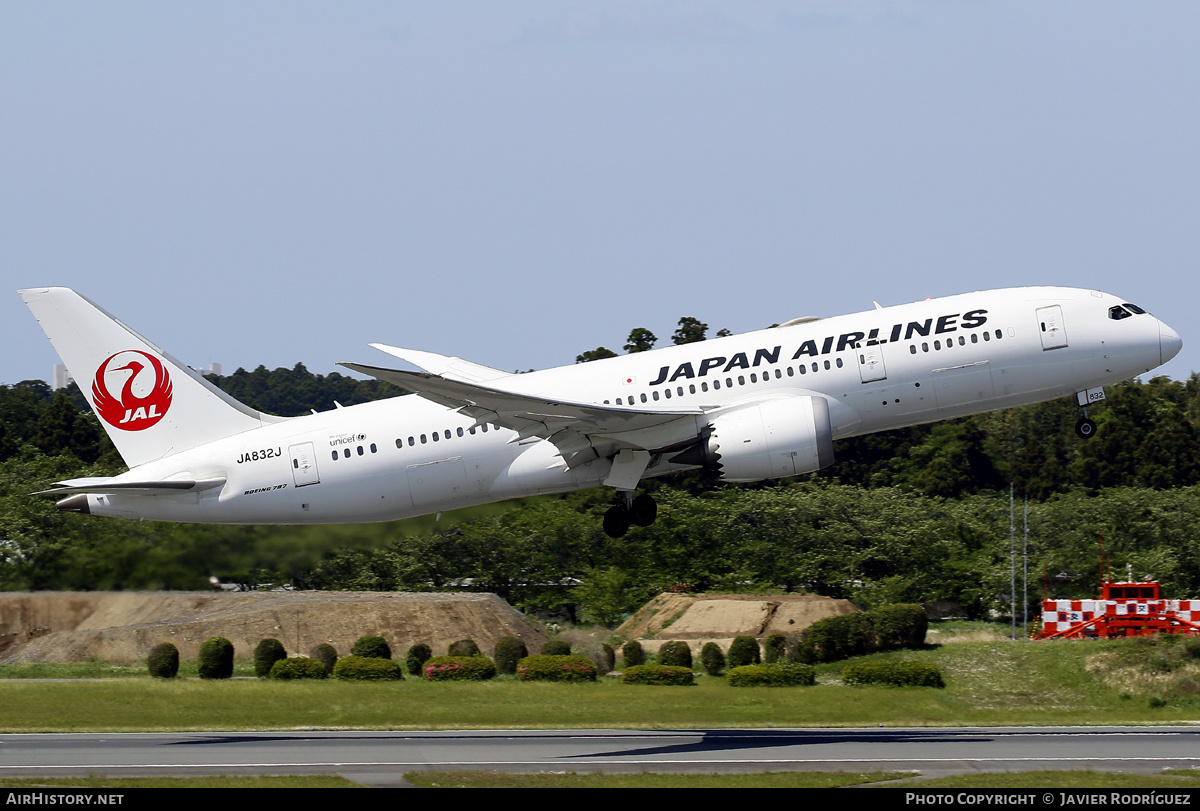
[915, 515]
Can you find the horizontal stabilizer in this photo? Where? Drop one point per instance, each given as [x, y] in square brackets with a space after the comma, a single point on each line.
[102, 486]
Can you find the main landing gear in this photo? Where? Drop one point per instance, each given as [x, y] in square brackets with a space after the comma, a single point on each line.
[629, 511]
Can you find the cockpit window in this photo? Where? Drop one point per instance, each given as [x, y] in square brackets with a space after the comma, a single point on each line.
[1133, 308]
[1118, 312]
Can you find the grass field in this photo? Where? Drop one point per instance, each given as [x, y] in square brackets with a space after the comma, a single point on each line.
[989, 683]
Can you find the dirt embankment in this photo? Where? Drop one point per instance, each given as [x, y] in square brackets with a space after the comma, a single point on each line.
[124, 626]
[699, 619]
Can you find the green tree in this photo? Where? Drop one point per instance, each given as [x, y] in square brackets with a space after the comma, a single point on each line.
[689, 331]
[599, 353]
[640, 340]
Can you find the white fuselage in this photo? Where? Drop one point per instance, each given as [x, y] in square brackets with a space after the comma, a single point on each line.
[878, 370]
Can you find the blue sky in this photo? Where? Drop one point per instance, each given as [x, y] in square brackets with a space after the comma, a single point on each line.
[516, 182]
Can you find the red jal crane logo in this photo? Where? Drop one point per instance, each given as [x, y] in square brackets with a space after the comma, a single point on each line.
[142, 402]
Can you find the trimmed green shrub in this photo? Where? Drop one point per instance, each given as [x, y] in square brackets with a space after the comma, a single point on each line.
[896, 674]
[658, 674]
[675, 653]
[298, 667]
[774, 649]
[773, 675]
[544, 667]
[416, 658]
[459, 668]
[326, 654]
[371, 647]
[712, 659]
[266, 654]
[367, 668]
[556, 647]
[743, 651]
[890, 627]
[163, 661]
[608, 658]
[898, 626]
[216, 659]
[464, 647]
[633, 653]
[509, 651]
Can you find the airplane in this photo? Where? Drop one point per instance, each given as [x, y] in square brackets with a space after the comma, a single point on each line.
[761, 405]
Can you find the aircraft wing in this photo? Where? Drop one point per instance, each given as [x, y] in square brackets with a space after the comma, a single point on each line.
[449, 367]
[573, 427]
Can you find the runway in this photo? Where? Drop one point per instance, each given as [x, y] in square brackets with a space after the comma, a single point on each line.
[380, 758]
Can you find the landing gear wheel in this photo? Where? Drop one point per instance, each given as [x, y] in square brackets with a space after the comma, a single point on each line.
[643, 510]
[1085, 428]
[616, 521]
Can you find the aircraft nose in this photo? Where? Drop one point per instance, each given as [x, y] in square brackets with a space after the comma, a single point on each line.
[1169, 342]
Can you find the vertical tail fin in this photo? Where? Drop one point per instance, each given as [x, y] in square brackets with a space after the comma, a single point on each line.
[150, 404]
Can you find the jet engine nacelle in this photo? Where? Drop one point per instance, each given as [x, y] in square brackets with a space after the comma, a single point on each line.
[767, 440]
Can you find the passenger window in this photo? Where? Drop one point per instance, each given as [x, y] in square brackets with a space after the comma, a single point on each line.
[436, 436]
[987, 336]
[924, 346]
[411, 442]
[912, 349]
[679, 390]
[373, 448]
[654, 394]
[424, 441]
[791, 372]
[753, 377]
[346, 452]
[704, 387]
[814, 366]
[803, 369]
[691, 388]
[447, 433]
[998, 334]
[335, 456]
[741, 380]
[839, 363]
[974, 337]
[460, 431]
[399, 443]
[667, 392]
[485, 427]
[826, 365]
[643, 397]
[937, 344]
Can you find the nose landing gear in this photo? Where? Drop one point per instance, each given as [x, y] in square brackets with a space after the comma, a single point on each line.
[1086, 428]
